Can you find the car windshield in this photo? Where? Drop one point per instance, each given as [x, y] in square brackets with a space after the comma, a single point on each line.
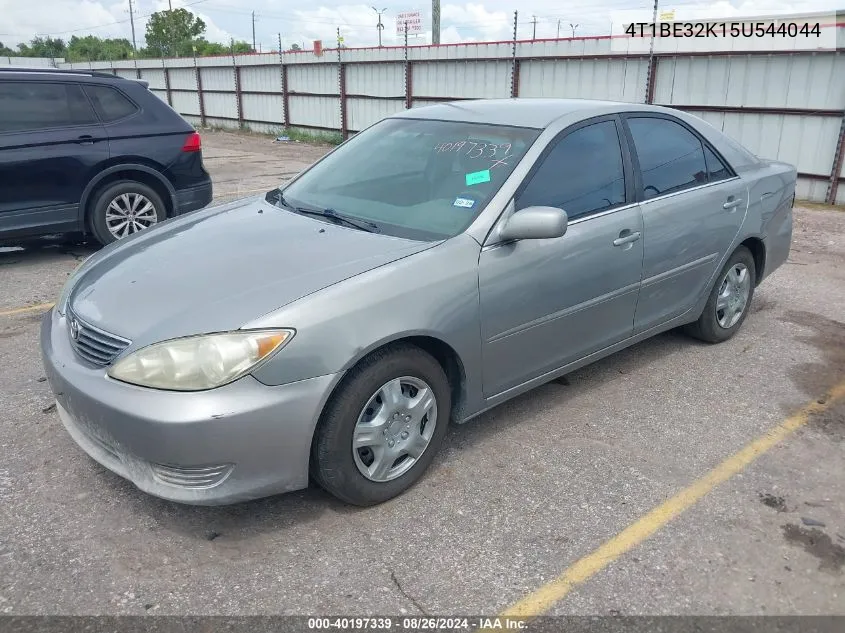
[413, 178]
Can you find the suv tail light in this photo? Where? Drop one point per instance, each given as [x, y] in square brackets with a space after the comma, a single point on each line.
[193, 143]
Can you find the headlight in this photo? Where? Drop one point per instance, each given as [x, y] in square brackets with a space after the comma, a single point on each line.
[61, 304]
[202, 362]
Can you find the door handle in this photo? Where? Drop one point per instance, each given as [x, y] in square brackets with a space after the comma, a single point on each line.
[626, 237]
[732, 204]
[85, 139]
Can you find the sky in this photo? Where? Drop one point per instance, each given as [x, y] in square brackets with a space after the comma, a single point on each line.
[302, 23]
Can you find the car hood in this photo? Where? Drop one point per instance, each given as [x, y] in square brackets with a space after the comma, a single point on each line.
[217, 269]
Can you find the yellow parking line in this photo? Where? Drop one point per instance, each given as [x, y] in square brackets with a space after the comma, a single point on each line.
[541, 600]
[35, 308]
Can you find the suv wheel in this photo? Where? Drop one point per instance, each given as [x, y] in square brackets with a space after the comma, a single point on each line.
[124, 208]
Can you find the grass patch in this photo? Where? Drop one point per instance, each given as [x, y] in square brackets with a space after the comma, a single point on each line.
[818, 206]
[310, 136]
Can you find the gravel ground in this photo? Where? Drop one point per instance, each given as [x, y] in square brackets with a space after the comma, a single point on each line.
[514, 497]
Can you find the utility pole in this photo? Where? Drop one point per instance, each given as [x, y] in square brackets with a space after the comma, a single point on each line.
[132, 22]
[558, 29]
[534, 35]
[435, 21]
[253, 32]
[573, 27]
[379, 26]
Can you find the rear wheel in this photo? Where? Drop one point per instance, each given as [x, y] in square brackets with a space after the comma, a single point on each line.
[729, 300]
[383, 427]
[124, 208]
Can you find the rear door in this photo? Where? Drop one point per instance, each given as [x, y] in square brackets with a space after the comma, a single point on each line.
[692, 206]
[51, 144]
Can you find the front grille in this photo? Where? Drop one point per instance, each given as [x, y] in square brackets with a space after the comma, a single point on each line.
[192, 477]
[93, 344]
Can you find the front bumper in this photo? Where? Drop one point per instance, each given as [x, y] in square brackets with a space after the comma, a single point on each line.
[246, 439]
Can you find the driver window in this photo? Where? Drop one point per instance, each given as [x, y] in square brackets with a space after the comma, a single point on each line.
[671, 157]
[582, 174]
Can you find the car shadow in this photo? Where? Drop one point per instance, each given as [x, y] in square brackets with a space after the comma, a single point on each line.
[45, 249]
[244, 520]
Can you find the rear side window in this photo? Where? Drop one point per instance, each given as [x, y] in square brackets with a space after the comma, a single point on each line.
[671, 157]
[716, 169]
[582, 174]
[34, 105]
[110, 104]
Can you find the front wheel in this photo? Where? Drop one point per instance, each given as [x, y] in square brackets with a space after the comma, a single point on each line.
[729, 300]
[383, 427]
[124, 208]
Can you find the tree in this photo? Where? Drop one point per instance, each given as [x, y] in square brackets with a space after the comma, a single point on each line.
[93, 48]
[173, 33]
[43, 47]
[295, 47]
[204, 47]
[5, 51]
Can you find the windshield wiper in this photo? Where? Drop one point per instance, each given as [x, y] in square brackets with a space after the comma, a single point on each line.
[277, 198]
[337, 218]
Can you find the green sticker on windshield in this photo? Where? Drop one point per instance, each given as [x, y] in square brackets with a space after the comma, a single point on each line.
[477, 177]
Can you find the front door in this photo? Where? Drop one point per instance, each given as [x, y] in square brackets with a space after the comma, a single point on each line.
[546, 303]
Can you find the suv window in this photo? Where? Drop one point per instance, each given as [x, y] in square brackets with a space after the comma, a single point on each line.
[671, 157]
[716, 169]
[38, 106]
[110, 104]
[582, 174]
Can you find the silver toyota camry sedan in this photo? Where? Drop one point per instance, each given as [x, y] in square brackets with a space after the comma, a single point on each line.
[435, 265]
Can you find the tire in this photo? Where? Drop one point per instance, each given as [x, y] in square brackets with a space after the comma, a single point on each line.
[124, 194]
[360, 410]
[714, 326]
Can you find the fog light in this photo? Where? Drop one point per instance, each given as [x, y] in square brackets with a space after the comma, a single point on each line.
[195, 477]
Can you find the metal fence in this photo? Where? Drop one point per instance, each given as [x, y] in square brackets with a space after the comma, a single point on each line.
[781, 104]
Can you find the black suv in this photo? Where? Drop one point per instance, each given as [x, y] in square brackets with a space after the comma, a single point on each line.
[93, 153]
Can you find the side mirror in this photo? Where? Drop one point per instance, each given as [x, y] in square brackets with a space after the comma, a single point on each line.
[535, 223]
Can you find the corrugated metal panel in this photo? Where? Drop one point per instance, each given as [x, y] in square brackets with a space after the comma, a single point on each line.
[155, 76]
[215, 122]
[382, 80]
[194, 120]
[181, 62]
[218, 78]
[263, 108]
[805, 141]
[364, 112]
[261, 58]
[580, 46]
[462, 79]
[614, 79]
[318, 79]
[221, 105]
[840, 194]
[182, 78]
[811, 189]
[128, 73]
[421, 103]
[263, 79]
[315, 111]
[161, 94]
[186, 102]
[32, 62]
[793, 81]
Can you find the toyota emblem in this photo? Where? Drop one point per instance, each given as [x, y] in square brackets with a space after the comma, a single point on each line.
[74, 329]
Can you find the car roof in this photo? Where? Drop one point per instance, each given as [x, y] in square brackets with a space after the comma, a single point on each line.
[533, 113]
[23, 72]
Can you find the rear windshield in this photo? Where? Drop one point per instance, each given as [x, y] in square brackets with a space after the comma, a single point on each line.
[414, 178]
